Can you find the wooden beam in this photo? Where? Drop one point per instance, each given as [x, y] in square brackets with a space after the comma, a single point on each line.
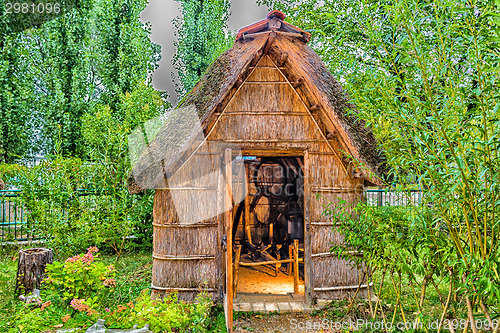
[324, 224]
[228, 214]
[188, 225]
[264, 151]
[267, 141]
[308, 277]
[247, 36]
[297, 83]
[256, 58]
[265, 82]
[265, 113]
[293, 35]
[270, 41]
[336, 189]
[295, 266]
[236, 268]
[282, 59]
[267, 262]
[343, 287]
[333, 254]
[248, 232]
[189, 257]
[238, 82]
[182, 289]
[323, 153]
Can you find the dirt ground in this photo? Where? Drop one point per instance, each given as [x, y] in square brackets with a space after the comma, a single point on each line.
[284, 323]
[262, 279]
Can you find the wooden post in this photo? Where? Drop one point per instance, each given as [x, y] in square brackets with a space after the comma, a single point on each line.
[271, 232]
[229, 240]
[236, 267]
[295, 266]
[248, 232]
[308, 277]
[290, 256]
[31, 269]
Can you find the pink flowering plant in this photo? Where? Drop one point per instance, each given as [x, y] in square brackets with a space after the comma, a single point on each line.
[80, 276]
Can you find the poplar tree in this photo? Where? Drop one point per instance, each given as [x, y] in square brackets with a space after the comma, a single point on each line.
[202, 35]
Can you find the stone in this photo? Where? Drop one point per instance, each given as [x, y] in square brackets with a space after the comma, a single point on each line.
[34, 297]
[297, 306]
[271, 307]
[258, 307]
[284, 307]
[245, 307]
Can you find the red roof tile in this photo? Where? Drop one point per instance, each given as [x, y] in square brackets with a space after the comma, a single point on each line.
[276, 18]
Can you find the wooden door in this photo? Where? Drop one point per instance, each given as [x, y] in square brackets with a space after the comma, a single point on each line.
[228, 224]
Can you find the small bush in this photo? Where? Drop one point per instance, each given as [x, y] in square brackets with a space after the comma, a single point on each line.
[79, 277]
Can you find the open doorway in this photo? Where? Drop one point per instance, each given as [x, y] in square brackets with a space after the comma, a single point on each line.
[268, 228]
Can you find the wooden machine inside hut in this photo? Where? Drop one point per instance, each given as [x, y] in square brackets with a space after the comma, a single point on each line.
[268, 227]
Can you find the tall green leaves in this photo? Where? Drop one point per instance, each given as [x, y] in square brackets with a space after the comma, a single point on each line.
[77, 86]
[59, 55]
[425, 75]
[57, 73]
[123, 54]
[202, 35]
[16, 100]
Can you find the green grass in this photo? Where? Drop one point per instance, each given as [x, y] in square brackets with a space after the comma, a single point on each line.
[338, 310]
[133, 280]
[133, 276]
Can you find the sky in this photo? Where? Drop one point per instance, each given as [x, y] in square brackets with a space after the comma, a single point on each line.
[160, 14]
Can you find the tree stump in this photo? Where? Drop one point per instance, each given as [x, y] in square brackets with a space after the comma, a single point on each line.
[31, 269]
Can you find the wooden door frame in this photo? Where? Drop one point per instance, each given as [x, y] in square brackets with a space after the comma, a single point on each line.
[308, 269]
[304, 154]
[228, 227]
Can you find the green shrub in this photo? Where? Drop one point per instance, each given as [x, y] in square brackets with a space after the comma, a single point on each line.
[81, 276]
[165, 315]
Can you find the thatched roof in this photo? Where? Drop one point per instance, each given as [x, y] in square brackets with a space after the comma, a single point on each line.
[287, 45]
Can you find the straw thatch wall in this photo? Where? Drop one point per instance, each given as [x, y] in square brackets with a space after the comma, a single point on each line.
[186, 256]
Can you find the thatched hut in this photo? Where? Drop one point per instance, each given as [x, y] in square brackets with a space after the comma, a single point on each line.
[269, 117]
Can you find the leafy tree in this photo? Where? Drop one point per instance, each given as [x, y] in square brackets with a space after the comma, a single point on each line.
[202, 35]
[430, 69]
[84, 78]
[15, 98]
[92, 53]
[123, 55]
[62, 78]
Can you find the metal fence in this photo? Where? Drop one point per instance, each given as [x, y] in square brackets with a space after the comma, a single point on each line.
[15, 225]
[381, 198]
[14, 222]
[13, 219]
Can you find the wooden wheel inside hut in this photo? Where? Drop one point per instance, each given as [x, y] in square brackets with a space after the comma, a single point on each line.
[268, 225]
